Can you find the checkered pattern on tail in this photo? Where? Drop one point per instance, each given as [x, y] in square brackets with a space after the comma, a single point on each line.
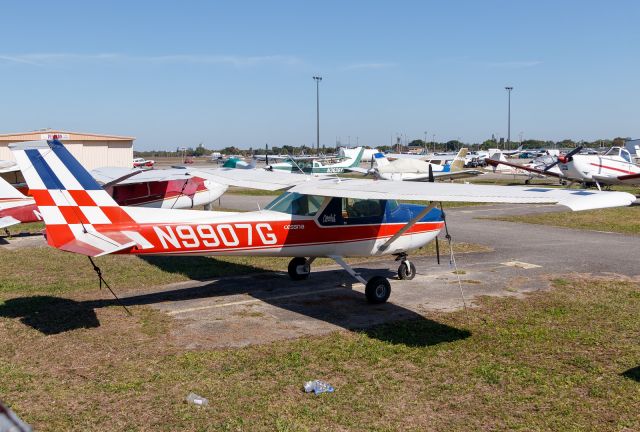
[70, 201]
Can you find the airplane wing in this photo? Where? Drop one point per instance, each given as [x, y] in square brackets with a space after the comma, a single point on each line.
[9, 192]
[449, 175]
[630, 179]
[549, 173]
[357, 169]
[113, 175]
[251, 178]
[411, 191]
[7, 166]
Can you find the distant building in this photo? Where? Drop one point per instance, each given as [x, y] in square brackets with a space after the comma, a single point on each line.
[92, 150]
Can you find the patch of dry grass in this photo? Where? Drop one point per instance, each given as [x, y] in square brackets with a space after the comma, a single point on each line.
[557, 360]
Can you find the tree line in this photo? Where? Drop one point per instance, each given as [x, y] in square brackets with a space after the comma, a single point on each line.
[452, 145]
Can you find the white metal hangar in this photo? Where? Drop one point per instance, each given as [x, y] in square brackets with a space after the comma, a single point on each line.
[92, 150]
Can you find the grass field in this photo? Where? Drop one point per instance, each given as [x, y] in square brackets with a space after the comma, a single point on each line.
[567, 359]
[624, 220]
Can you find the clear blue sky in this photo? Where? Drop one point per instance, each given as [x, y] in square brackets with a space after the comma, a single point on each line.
[240, 73]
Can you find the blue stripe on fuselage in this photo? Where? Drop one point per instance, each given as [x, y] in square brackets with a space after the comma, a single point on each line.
[78, 171]
[50, 180]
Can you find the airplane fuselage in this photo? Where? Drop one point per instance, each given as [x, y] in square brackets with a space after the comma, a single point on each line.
[266, 232]
[591, 168]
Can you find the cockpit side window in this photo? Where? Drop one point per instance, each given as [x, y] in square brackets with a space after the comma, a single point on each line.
[296, 204]
[625, 155]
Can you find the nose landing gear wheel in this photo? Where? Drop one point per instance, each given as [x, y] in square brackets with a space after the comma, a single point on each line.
[377, 290]
[299, 269]
[406, 271]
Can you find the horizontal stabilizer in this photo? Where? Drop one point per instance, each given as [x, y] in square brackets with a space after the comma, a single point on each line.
[8, 221]
[95, 244]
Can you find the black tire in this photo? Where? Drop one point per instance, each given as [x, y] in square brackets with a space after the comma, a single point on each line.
[406, 272]
[293, 269]
[378, 290]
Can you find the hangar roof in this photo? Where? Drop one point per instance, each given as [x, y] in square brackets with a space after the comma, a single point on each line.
[65, 135]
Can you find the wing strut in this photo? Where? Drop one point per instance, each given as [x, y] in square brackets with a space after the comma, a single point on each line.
[407, 227]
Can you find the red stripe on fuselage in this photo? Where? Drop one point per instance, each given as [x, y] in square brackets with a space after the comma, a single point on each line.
[612, 168]
[240, 236]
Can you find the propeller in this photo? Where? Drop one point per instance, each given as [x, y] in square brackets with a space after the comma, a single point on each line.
[266, 154]
[564, 159]
[431, 178]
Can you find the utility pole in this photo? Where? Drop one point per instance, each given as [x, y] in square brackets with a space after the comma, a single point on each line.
[425, 142]
[317, 79]
[508, 89]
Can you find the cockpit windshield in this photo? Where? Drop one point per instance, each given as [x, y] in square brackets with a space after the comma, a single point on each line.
[613, 151]
[296, 204]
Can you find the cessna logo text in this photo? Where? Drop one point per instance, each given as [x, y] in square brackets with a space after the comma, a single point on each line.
[211, 236]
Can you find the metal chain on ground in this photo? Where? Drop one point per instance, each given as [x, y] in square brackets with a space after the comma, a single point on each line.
[101, 280]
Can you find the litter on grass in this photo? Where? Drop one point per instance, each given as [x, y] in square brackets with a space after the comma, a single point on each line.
[317, 387]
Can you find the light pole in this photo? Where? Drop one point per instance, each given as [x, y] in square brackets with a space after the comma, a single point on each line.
[317, 79]
[425, 142]
[508, 89]
[433, 138]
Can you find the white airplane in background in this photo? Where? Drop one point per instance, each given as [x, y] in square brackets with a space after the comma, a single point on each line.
[615, 167]
[317, 217]
[417, 170]
[516, 170]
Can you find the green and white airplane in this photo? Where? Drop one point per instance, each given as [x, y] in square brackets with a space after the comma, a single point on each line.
[315, 165]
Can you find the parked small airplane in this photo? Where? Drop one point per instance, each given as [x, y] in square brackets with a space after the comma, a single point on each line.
[176, 188]
[313, 165]
[317, 217]
[614, 167]
[517, 170]
[15, 207]
[417, 170]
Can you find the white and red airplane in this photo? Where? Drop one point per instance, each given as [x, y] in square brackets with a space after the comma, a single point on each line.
[177, 188]
[615, 167]
[15, 207]
[318, 217]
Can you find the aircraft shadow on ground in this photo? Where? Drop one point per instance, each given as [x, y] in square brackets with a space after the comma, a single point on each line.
[633, 373]
[333, 304]
[50, 315]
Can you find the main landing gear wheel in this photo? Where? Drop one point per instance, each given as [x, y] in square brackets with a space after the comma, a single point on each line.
[299, 268]
[377, 290]
[406, 271]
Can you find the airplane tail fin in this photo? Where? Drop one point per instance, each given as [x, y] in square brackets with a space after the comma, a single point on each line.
[69, 199]
[459, 160]
[356, 161]
[380, 160]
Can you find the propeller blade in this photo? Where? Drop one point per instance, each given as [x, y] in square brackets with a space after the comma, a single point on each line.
[572, 152]
[551, 165]
[431, 178]
[266, 154]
